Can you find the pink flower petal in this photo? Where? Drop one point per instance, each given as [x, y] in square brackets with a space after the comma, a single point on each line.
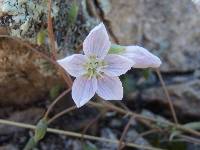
[74, 64]
[83, 90]
[116, 65]
[110, 88]
[97, 43]
[141, 57]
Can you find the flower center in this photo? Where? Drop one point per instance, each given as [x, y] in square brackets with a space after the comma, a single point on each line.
[94, 66]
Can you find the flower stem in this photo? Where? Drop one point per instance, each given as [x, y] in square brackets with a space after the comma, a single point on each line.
[61, 113]
[76, 135]
[167, 95]
[55, 101]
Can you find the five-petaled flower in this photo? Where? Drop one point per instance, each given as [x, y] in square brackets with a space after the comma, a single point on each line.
[97, 71]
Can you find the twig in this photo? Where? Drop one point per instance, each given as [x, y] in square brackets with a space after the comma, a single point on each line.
[146, 133]
[167, 95]
[124, 133]
[55, 101]
[127, 112]
[76, 135]
[61, 113]
[138, 116]
[53, 45]
[50, 31]
[189, 139]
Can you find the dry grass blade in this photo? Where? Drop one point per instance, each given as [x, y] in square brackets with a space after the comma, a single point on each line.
[124, 133]
[76, 135]
[147, 133]
[141, 117]
[61, 113]
[189, 139]
[167, 95]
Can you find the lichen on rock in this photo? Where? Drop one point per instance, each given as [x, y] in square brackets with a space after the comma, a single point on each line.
[25, 16]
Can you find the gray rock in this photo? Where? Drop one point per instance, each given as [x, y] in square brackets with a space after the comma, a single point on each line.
[8, 147]
[170, 27]
[185, 97]
[107, 133]
[31, 116]
[133, 136]
[115, 123]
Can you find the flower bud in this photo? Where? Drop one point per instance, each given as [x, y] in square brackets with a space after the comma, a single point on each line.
[141, 57]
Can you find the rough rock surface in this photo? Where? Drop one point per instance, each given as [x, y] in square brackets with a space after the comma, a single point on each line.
[30, 116]
[24, 76]
[170, 27]
[185, 97]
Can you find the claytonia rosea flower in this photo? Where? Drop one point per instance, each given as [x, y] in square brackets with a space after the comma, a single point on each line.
[96, 71]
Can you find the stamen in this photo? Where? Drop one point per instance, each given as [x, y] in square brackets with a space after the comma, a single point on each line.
[93, 67]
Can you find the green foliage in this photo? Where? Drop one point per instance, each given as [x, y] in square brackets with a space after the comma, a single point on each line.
[193, 125]
[175, 145]
[54, 92]
[129, 84]
[146, 73]
[72, 13]
[41, 37]
[89, 147]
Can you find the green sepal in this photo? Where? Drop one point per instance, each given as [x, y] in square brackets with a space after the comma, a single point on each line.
[116, 49]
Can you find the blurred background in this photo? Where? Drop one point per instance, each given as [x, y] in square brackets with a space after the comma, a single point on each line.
[170, 29]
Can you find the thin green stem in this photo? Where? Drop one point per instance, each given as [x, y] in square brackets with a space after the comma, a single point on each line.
[61, 113]
[55, 101]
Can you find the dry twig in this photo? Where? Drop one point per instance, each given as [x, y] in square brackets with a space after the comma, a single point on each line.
[124, 133]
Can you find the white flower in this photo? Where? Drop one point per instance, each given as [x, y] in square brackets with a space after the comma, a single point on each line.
[96, 71]
[142, 57]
